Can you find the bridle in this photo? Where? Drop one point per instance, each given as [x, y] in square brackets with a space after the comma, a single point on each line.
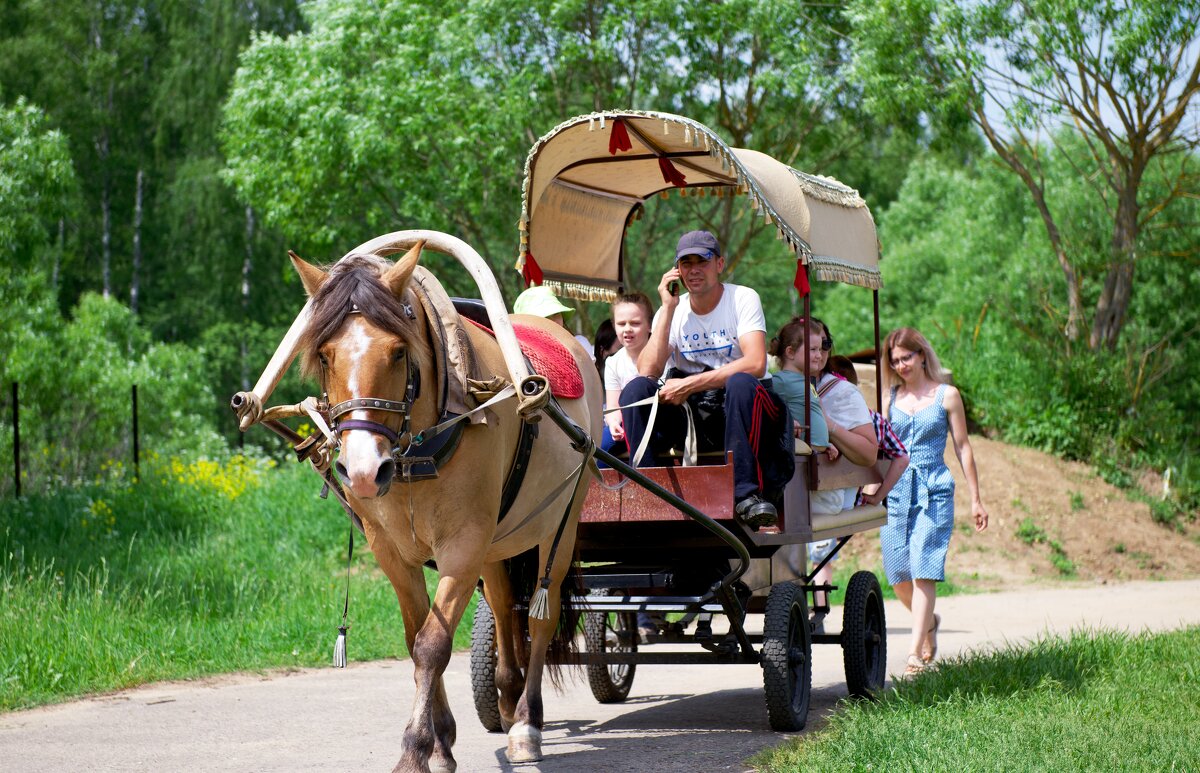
[401, 440]
[412, 390]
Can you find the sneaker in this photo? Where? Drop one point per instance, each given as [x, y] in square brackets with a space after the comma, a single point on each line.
[756, 512]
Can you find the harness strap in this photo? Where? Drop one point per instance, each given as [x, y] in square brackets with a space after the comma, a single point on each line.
[370, 426]
[511, 529]
[516, 471]
[429, 455]
[502, 395]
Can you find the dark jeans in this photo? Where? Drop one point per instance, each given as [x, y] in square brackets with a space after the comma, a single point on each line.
[756, 428]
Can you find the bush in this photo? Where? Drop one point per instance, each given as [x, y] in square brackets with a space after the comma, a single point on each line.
[76, 380]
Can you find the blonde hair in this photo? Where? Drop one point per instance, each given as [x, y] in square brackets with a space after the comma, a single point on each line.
[911, 339]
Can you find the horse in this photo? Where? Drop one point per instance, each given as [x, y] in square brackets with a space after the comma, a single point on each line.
[368, 341]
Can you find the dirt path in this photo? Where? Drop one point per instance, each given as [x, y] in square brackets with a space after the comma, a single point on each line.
[678, 718]
[1036, 502]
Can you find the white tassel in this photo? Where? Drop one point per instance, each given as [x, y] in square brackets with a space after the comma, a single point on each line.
[539, 605]
[339, 648]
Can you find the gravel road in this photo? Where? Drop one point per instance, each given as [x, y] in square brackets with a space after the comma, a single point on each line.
[678, 718]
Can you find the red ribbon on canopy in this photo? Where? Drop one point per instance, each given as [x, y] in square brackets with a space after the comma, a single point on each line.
[619, 138]
[670, 173]
[801, 280]
[531, 270]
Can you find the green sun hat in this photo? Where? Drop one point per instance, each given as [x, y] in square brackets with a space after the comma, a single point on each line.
[539, 301]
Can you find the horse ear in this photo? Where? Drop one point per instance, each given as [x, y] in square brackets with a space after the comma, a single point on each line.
[396, 278]
[310, 276]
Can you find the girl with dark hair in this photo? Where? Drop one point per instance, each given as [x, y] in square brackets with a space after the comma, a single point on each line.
[606, 344]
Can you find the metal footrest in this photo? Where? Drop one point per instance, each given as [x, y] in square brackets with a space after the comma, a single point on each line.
[645, 604]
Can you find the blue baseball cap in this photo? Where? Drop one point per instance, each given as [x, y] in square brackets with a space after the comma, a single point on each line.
[700, 243]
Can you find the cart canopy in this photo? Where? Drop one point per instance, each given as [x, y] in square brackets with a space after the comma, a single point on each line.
[587, 178]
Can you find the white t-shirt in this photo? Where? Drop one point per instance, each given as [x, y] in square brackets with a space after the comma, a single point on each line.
[844, 404]
[619, 370]
[711, 340]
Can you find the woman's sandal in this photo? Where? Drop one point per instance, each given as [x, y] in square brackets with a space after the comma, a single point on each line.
[915, 666]
[929, 651]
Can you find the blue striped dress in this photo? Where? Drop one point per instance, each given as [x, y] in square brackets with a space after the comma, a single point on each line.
[921, 505]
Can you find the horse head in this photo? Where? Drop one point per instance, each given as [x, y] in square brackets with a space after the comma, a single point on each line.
[366, 344]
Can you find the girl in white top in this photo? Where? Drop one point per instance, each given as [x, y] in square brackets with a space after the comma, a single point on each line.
[631, 315]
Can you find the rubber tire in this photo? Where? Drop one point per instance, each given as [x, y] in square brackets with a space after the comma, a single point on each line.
[787, 657]
[864, 636]
[483, 668]
[610, 684]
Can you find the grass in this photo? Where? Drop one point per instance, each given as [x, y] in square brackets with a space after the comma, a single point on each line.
[201, 568]
[1032, 534]
[1093, 701]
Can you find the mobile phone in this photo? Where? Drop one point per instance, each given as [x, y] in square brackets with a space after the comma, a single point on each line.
[673, 288]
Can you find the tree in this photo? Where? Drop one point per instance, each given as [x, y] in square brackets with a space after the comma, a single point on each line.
[409, 116]
[36, 181]
[1119, 75]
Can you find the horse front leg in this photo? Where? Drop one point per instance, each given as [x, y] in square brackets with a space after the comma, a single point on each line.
[430, 733]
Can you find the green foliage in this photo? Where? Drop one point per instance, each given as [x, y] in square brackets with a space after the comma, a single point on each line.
[1094, 701]
[204, 566]
[407, 116]
[76, 378]
[36, 181]
[1110, 83]
[964, 263]
[134, 89]
[1030, 533]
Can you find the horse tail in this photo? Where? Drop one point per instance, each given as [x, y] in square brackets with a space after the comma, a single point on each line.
[524, 573]
[565, 643]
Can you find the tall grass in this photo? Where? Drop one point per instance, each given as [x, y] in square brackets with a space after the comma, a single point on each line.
[200, 568]
[1104, 701]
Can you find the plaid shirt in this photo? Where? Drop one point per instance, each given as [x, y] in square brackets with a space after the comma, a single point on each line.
[889, 444]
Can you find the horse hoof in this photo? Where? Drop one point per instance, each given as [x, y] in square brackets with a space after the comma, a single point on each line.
[442, 766]
[524, 744]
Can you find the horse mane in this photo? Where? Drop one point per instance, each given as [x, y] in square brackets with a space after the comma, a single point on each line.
[354, 282]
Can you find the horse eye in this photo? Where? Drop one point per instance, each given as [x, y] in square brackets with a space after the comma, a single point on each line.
[324, 362]
[398, 355]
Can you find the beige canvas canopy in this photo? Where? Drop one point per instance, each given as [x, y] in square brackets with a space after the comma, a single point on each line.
[587, 178]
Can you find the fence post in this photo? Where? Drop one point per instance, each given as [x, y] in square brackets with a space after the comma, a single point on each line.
[137, 471]
[16, 417]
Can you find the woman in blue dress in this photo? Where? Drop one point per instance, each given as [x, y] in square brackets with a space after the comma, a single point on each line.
[923, 408]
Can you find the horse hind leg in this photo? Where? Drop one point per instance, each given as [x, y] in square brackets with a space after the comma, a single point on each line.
[510, 681]
[525, 736]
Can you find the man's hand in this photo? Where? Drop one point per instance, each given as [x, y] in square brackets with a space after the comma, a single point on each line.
[668, 300]
[674, 391]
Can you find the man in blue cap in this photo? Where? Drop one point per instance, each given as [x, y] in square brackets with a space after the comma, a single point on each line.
[714, 338]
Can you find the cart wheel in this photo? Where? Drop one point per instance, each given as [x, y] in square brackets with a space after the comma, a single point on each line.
[483, 667]
[787, 657]
[864, 636]
[610, 632]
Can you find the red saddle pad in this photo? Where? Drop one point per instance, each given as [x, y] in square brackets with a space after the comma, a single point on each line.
[549, 358]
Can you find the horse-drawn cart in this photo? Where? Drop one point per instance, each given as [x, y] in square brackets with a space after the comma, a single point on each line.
[669, 544]
[429, 436]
